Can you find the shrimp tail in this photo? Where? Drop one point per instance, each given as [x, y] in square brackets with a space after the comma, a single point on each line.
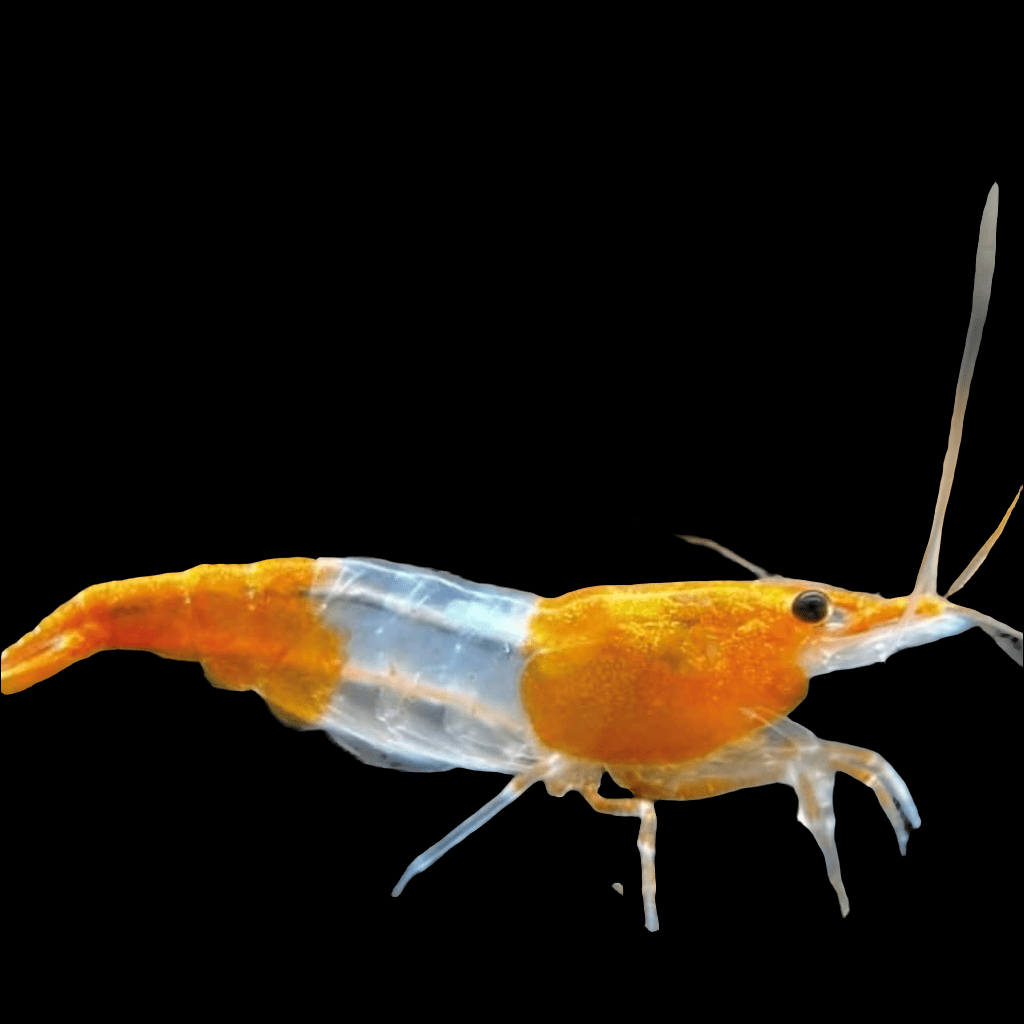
[252, 627]
[69, 634]
[150, 613]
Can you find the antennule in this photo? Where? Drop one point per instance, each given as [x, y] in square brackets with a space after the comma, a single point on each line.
[975, 563]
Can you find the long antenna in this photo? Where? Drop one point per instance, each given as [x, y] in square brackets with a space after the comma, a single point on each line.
[984, 268]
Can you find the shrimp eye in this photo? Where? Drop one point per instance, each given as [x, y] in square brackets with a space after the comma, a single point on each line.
[811, 606]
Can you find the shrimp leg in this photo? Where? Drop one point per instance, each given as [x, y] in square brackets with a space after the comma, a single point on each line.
[811, 772]
[515, 789]
[644, 810]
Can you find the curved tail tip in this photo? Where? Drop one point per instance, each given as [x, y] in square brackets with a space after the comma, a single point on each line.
[37, 657]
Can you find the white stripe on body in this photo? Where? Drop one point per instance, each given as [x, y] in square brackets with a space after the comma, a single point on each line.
[431, 680]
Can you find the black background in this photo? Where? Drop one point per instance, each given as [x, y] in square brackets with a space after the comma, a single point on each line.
[529, 365]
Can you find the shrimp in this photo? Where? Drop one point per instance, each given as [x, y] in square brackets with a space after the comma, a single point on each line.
[676, 691]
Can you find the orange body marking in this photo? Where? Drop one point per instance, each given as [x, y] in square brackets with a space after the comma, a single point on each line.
[661, 674]
[657, 674]
[250, 626]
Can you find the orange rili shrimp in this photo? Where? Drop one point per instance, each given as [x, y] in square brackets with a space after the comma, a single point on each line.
[677, 690]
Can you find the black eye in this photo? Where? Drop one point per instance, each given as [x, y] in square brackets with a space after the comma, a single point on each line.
[811, 606]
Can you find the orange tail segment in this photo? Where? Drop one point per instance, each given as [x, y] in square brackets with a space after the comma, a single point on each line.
[62, 638]
[253, 627]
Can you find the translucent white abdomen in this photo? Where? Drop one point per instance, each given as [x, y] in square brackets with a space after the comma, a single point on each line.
[432, 669]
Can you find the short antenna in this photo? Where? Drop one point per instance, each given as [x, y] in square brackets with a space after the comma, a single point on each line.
[975, 563]
[705, 543]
